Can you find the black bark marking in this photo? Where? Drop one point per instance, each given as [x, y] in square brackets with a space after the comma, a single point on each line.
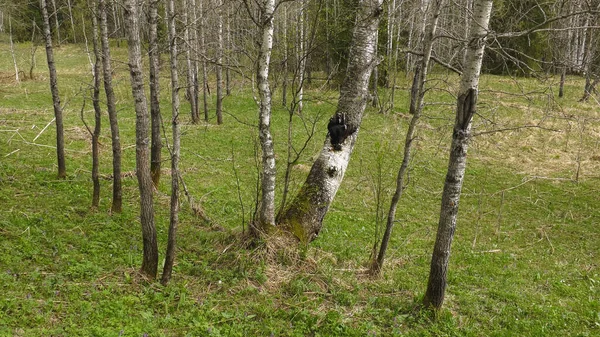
[339, 130]
[467, 108]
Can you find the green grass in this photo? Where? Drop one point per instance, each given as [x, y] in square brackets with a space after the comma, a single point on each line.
[524, 261]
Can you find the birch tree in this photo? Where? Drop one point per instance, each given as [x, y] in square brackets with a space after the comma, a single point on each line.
[465, 109]
[97, 113]
[304, 215]
[111, 105]
[56, 24]
[266, 217]
[174, 217]
[416, 108]
[154, 60]
[219, 61]
[202, 50]
[142, 155]
[12, 49]
[58, 115]
[189, 43]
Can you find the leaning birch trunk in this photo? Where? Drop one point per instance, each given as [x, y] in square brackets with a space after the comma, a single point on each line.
[416, 108]
[267, 204]
[142, 155]
[60, 140]
[97, 115]
[154, 58]
[174, 218]
[111, 106]
[304, 216]
[219, 65]
[465, 109]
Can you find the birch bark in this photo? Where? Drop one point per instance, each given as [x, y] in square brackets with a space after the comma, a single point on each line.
[189, 67]
[60, 140]
[267, 205]
[142, 155]
[204, 66]
[111, 105]
[219, 61]
[304, 216]
[465, 109]
[174, 217]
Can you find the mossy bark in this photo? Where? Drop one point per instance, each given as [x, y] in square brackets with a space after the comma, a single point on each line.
[304, 216]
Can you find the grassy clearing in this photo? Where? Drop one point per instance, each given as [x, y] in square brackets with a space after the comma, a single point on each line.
[524, 260]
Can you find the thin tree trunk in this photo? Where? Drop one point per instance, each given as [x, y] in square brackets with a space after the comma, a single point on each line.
[228, 54]
[12, 49]
[174, 218]
[389, 52]
[33, 49]
[195, 45]
[60, 140]
[72, 22]
[204, 67]
[154, 57]
[305, 214]
[58, 40]
[285, 69]
[142, 155]
[189, 68]
[111, 105]
[561, 89]
[416, 108]
[220, 63]
[97, 114]
[466, 107]
[267, 204]
[117, 26]
[375, 94]
[302, 55]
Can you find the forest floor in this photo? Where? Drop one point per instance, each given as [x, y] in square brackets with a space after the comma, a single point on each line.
[524, 260]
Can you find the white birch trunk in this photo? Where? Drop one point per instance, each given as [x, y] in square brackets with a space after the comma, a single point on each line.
[267, 204]
[302, 55]
[466, 106]
[142, 148]
[285, 57]
[305, 214]
[219, 60]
